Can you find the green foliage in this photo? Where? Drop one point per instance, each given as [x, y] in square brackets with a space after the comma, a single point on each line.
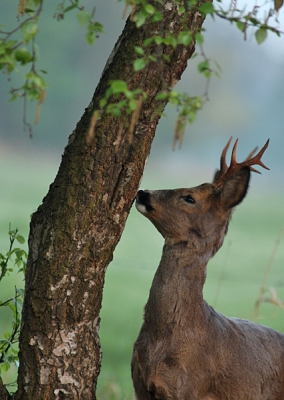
[93, 27]
[84, 17]
[207, 8]
[18, 47]
[188, 106]
[184, 38]
[146, 12]
[261, 35]
[29, 30]
[119, 99]
[14, 257]
[251, 19]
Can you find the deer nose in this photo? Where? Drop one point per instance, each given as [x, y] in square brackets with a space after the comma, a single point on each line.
[143, 197]
[143, 202]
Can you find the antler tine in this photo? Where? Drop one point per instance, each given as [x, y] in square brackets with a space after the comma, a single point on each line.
[255, 170]
[250, 156]
[226, 172]
[234, 154]
[223, 164]
[257, 158]
[252, 153]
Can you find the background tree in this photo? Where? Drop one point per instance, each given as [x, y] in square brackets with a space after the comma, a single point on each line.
[74, 232]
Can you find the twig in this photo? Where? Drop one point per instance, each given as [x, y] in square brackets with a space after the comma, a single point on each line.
[263, 289]
[4, 265]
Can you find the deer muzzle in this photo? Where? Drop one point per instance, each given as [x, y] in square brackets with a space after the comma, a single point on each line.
[143, 201]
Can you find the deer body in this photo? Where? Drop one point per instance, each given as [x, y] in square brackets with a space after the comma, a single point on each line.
[185, 349]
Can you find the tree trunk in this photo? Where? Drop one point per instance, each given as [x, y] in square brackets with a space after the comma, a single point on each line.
[74, 232]
[4, 395]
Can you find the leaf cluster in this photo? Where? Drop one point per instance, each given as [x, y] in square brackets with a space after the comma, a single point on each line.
[15, 257]
[18, 47]
[119, 99]
[187, 105]
[251, 19]
[84, 17]
[157, 49]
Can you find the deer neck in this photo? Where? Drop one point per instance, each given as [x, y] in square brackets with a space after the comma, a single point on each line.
[176, 299]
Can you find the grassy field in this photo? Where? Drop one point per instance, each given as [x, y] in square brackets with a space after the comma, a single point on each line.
[234, 276]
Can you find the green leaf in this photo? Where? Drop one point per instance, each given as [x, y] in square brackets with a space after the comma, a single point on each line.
[139, 50]
[84, 17]
[132, 105]
[35, 80]
[261, 35]
[120, 104]
[162, 96]
[114, 110]
[29, 30]
[170, 41]
[240, 25]
[5, 366]
[158, 40]
[153, 58]
[148, 41]
[157, 17]
[167, 58]
[96, 26]
[199, 38]
[140, 18]
[174, 97]
[23, 56]
[204, 68]
[253, 20]
[206, 8]
[20, 239]
[20, 291]
[70, 8]
[102, 102]
[118, 86]
[90, 37]
[139, 64]
[149, 9]
[20, 254]
[7, 335]
[184, 38]
[129, 94]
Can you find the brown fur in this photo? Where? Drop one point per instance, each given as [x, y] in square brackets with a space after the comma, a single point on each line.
[185, 349]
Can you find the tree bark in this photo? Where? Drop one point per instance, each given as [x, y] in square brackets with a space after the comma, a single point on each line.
[74, 232]
[4, 394]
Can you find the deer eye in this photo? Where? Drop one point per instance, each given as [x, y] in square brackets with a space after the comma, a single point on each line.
[189, 199]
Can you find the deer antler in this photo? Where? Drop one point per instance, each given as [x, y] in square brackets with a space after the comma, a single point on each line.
[226, 172]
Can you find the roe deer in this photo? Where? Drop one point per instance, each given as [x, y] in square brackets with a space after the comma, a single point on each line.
[185, 349]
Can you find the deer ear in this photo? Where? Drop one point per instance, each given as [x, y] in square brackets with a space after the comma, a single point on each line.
[235, 188]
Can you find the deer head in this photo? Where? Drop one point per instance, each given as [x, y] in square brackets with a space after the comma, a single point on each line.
[201, 214]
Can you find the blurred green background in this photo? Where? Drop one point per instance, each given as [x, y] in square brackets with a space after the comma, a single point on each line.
[247, 102]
